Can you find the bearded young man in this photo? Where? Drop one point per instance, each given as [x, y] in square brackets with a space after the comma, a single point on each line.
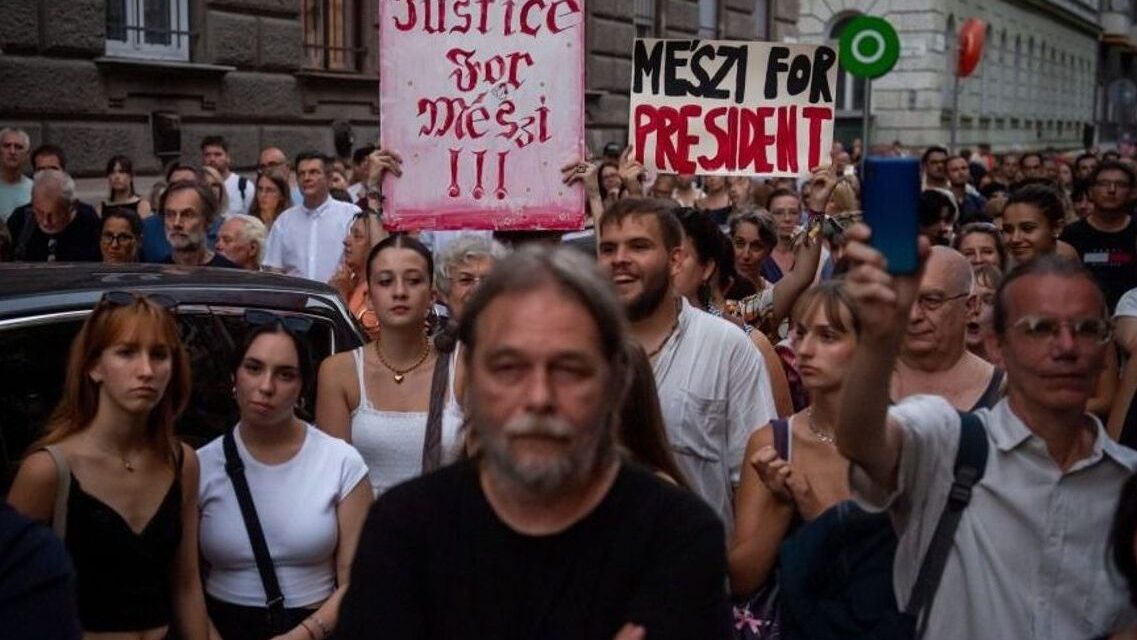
[546, 532]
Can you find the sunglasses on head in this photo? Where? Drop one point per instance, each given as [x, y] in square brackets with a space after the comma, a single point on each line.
[260, 317]
[126, 298]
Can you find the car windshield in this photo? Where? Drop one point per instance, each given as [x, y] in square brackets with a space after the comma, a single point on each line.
[33, 357]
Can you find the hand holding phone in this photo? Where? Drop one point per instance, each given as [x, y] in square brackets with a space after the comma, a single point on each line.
[890, 199]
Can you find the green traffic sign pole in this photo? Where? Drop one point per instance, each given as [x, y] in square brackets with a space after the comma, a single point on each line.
[869, 49]
[866, 143]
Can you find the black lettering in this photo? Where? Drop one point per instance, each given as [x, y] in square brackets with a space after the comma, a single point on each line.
[704, 86]
[775, 66]
[735, 58]
[819, 89]
[646, 64]
[799, 75]
[672, 84]
[742, 54]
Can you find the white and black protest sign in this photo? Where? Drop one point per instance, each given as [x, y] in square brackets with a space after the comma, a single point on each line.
[732, 108]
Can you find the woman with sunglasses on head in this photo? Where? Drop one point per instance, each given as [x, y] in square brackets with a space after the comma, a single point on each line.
[274, 196]
[121, 236]
[378, 397]
[308, 489]
[114, 482]
[120, 184]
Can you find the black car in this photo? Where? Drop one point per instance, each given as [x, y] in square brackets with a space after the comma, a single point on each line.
[43, 306]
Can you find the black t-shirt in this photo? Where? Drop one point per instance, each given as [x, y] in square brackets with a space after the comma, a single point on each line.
[435, 561]
[217, 260]
[1110, 256]
[78, 242]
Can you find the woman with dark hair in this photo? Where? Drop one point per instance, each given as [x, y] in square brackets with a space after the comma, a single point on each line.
[120, 187]
[716, 202]
[982, 244]
[378, 397]
[121, 235]
[936, 214]
[706, 256]
[273, 197]
[308, 489]
[1032, 221]
[753, 237]
[642, 431]
[114, 482]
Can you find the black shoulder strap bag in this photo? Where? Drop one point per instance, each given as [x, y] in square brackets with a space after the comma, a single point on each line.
[970, 463]
[274, 599]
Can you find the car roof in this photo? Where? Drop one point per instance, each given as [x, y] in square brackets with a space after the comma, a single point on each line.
[33, 288]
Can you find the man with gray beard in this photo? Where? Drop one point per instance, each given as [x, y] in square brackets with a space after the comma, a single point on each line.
[188, 208]
[547, 531]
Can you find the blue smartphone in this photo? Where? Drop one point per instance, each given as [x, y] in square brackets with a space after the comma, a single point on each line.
[890, 198]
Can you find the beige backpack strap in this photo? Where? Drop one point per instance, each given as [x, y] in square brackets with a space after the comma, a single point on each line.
[62, 490]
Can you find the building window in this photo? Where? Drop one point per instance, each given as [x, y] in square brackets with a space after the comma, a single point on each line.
[951, 57]
[850, 89]
[708, 18]
[332, 35]
[153, 29]
[645, 18]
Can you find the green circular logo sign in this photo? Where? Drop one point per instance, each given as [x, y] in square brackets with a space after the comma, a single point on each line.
[869, 47]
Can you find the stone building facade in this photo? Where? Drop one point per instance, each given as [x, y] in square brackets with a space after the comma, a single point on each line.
[1035, 86]
[96, 76]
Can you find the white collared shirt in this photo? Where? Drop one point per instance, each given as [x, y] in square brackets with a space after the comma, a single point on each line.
[309, 242]
[1030, 558]
[715, 391]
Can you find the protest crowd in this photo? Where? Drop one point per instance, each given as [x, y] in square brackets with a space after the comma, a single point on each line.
[716, 411]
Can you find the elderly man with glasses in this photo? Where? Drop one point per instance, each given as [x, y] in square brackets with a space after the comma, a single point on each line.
[1027, 556]
[933, 355]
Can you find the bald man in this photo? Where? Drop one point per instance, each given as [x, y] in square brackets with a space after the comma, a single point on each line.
[934, 358]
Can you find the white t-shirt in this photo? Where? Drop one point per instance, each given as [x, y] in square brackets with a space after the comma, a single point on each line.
[309, 242]
[715, 391]
[296, 504]
[237, 204]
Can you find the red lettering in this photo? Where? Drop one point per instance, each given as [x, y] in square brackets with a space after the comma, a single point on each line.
[643, 128]
[412, 17]
[725, 139]
[816, 116]
[509, 17]
[753, 140]
[553, 21]
[543, 122]
[787, 139]
[527, 28]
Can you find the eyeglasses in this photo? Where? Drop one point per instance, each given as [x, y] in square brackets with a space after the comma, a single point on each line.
[126, 298]
[1112, 184]
[1095, 331]
[117, 238]
[933, 301]
[260, 317]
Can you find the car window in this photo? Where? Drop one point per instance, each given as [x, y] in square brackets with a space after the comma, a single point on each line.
[33, 358]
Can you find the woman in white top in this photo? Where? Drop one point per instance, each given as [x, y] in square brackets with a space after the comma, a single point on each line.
[378, 396]
[309, 491]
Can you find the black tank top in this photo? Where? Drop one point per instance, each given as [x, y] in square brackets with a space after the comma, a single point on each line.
[123, 577]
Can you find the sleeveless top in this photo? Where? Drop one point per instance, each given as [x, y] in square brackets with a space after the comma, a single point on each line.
[123, 577]
[391, 442]
[132, 206]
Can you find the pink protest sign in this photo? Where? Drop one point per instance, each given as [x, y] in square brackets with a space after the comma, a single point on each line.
[484, 101]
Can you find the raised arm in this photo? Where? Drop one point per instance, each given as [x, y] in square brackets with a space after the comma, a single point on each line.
[865, 435]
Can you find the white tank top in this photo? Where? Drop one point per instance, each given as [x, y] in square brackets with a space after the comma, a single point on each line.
[391, 442]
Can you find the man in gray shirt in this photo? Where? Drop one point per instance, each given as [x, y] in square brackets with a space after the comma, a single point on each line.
[1029, 559]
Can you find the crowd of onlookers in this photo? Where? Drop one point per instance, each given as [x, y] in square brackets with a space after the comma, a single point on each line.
[769, 363]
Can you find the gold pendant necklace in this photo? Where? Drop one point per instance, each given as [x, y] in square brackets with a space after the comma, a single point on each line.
[401, 374]
[827, 438]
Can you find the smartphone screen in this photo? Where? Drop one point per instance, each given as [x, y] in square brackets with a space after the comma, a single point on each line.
[890, 200]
